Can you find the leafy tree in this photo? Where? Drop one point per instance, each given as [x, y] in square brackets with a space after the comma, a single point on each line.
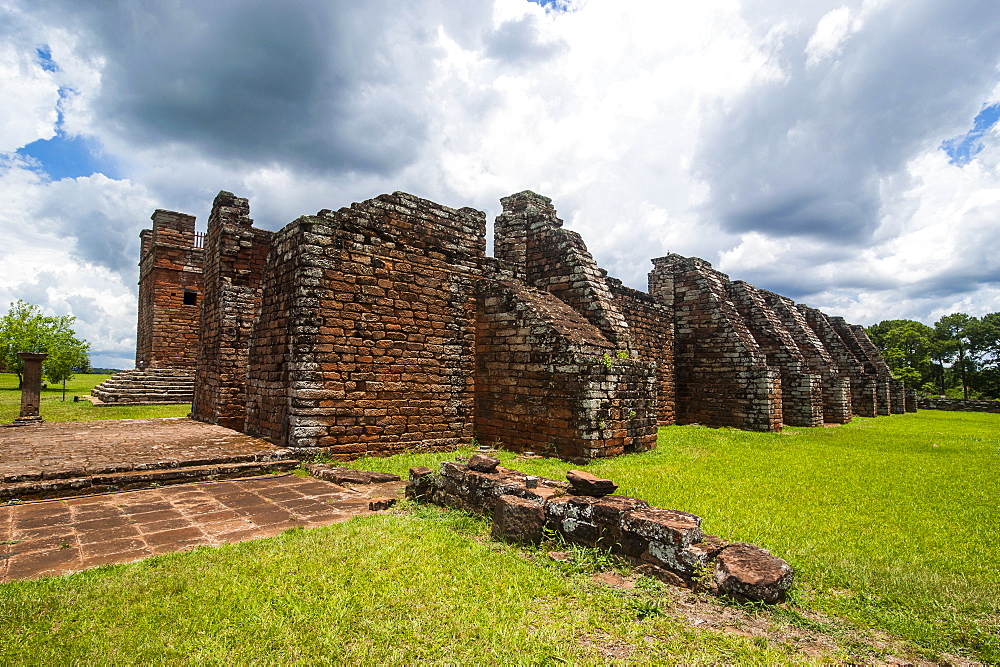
[960, 355]
[957, 332]
[26, 329]
[909, 348]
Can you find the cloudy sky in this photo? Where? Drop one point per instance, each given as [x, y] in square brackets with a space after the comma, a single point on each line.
[843, 153]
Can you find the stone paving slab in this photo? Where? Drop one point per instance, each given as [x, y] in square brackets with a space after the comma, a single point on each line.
[54, 450]
[54, 537]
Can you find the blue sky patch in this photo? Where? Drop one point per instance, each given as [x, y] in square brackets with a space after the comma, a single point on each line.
[63, 156]
[68, 157]
[963, 148]
[553, 5]
[45, 59]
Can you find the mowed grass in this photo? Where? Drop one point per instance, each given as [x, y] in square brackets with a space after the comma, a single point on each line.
[884, 528]
[893, 523]
[412, 587]
[54, 409]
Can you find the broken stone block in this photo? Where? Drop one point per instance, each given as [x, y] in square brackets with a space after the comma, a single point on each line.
[659, 536]
[698, 557]
[517, 520]
[591, 521]
[378, 504]
[421, 485]
[419, 472]
[483, 463]
[584, 484]
[750, 573]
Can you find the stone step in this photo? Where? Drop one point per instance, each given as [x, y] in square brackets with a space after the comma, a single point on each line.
[135, 479]
[150, 386]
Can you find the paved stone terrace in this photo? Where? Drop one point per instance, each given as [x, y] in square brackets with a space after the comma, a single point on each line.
[52, 537]
[77, 449]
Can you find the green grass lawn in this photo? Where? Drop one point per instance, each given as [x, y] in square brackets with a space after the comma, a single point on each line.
[890, 524]
[54, 409]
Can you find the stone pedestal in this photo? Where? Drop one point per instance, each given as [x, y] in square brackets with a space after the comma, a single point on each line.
[31, 387]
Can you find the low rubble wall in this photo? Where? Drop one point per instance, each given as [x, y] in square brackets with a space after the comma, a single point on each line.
[664, 543]
[958, 404]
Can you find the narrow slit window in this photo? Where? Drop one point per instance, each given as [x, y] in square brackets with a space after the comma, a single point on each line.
[190, 298]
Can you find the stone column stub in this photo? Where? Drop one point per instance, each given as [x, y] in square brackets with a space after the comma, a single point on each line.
[31, 387]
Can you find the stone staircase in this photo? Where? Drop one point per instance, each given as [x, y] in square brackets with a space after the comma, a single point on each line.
[152, 386]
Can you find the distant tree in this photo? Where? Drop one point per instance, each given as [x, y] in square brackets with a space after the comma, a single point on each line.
[910, 348]
[26, 329]
[956, 332]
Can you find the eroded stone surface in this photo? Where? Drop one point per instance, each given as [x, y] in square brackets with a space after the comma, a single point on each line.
[584, 484]
[748, 572]
[78, 449]
[483, 463]
[518, 520]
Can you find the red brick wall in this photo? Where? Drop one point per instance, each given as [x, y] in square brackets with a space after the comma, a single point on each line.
[651, 329]
[366, 336]
[548, 381]
[169, 266]
[235, 253]
[721, 374]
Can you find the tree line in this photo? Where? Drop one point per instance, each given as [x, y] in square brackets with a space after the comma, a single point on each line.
[26, 329]
[958, 357]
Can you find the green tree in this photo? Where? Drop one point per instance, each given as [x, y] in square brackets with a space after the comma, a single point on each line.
[910, 348]
[956, 332]
[26, 329]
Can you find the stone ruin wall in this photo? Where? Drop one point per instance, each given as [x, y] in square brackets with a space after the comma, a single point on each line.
[170, 265]
[835, 383]
[234, 257]
[548, 381]
[649, 323]
[553, 347]
[801, 391]
[366, 339]
[861, 385]
[384, 327]
[721, 372]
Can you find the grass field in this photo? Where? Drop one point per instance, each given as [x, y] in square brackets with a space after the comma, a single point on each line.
[54, 409]
[890, 524]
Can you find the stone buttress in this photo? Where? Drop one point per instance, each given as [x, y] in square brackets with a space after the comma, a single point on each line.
[801, 390]
[235, 253]
[721, 373]
[556, 368]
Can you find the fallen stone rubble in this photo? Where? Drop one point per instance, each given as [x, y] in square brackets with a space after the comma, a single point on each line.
[663, 543]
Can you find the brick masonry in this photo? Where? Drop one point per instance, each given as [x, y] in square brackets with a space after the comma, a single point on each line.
[861, 383]
[722, 375]
[365, 340]
[835, 383]
[384, 327]
[170, 292]
[234, 257]
[801, 391]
